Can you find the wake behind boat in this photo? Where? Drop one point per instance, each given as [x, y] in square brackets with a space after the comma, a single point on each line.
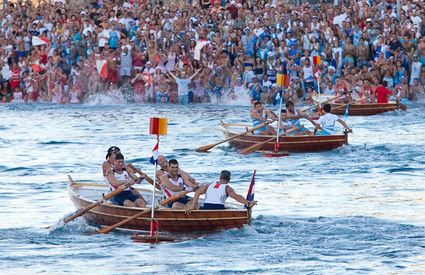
[170, 220]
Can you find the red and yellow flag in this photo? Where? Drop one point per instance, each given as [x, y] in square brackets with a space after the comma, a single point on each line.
[283, 80]
[286, 80]
[316, 60]
[158, 126]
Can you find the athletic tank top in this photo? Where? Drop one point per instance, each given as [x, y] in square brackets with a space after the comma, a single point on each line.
[179, 182]
[256, 121]
[216, 193]
[123, 176]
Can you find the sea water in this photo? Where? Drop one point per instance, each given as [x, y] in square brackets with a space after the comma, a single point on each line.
[359, 209]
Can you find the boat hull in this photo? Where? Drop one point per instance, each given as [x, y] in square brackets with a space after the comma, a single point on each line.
[170, 220]
[286, 143]
[367, 109]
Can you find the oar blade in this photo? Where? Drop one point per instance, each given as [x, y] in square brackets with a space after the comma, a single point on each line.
[205, 148]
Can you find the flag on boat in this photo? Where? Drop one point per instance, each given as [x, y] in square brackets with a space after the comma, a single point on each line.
[283, 80]
[316, 60]
[278, 97]
[251, 190]
[200, 44]
[316, 74]
[154, 157]
[346, 111]
[37, 41]
[102, 68]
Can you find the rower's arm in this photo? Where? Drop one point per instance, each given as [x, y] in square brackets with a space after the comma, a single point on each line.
[231, 193]
[200, 191]
[344, 124]
[188, 179]
[114, 182]
[106, 166]
[165, 182]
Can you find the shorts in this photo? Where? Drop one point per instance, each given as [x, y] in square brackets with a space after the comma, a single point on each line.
[208, 206]
[183, 200]
[125, 195]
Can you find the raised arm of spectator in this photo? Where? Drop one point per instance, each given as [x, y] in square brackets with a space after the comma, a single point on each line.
[200, 69]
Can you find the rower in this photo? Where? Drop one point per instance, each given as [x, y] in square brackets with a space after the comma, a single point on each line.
[164, 169]
[120, 176]
[294, 119]
[110, 158]
[327, 123]
[261, 115]
[172, 183]
[217, 193]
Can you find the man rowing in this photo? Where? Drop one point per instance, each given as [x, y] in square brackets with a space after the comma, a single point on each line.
[109, 162]
[260, 115]
[172, 183]
[327, 123]
[118, 176]
[217, 193]
[164, 169]
[293, 119]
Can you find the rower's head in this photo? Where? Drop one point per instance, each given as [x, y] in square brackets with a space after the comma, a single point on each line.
[119, 161]
[283, 114]
[327, 108]
[258, 106]
[112, 151]
[173, 167]
[162, 161]
[290, 105]
[225, 176]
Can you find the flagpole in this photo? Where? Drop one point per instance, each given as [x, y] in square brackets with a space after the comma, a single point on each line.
[276, 146]
[153, 194]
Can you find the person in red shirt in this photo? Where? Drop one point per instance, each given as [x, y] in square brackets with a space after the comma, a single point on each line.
[381, 93]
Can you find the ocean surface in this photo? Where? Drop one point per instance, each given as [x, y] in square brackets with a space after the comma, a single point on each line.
[359, 209]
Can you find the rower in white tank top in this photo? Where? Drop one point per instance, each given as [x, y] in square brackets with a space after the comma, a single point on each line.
[119, 176]
[179, 182]
[216, 193]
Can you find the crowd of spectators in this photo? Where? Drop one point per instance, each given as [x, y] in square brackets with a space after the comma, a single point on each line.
[200, 50]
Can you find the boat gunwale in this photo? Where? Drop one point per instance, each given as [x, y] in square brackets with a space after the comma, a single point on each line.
[73, 193]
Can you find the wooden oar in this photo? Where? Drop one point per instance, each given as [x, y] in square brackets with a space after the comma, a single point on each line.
[205, 148]
[258, 145]
[141, 213]
[150, 180]
[129, 219]
[315, 105]
[172, 199]
[93, 205]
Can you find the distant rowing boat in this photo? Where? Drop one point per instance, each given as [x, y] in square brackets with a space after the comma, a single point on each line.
[303, 143]
[84, 194]
[361, 109]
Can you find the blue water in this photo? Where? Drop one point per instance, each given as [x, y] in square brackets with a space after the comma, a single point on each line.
[359, 209]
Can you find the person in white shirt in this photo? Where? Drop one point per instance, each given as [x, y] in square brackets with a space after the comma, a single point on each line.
[327, 123]
[217, 193]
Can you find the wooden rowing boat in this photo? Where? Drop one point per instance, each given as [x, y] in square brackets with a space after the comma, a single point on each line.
[366, 109]
[303, 143]
[84, 194]
[359, 109]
